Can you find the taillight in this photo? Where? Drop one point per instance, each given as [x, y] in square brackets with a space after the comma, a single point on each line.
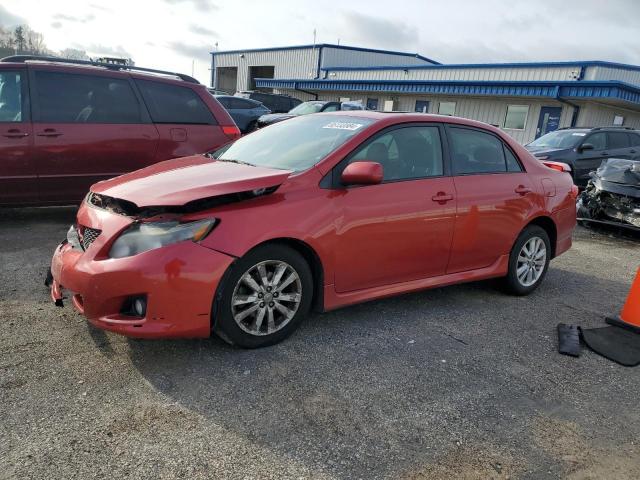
[231, 131]
[559, 166]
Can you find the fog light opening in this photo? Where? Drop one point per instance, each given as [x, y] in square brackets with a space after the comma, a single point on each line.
[135, 306]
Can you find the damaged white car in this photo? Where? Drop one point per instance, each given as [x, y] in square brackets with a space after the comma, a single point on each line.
[612, 196]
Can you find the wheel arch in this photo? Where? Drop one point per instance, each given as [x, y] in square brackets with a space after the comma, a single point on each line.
[549, 226]
[313, 260]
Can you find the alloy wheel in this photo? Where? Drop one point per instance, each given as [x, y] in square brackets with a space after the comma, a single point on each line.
[531, 261]
[266, 297]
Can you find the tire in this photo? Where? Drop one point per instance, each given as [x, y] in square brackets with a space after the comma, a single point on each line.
[237, 294]
[525, 284]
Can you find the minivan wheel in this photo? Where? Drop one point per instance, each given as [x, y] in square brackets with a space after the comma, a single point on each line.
[528, 261]
[264, 298]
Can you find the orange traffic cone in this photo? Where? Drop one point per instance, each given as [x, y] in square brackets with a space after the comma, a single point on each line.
[630, 316]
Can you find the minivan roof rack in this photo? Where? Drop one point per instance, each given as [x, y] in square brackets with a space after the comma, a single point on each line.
[110, 66]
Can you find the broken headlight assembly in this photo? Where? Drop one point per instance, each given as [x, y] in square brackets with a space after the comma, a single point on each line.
[144, 236]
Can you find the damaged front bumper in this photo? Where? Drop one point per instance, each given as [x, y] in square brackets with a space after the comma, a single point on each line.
[612, 196]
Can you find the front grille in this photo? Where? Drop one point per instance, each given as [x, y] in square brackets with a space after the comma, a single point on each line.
[88, 236]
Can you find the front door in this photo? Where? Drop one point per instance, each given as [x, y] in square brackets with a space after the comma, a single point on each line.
[590, 159]
[549, 120]
[87, 128]
[18, 183]
[399, 230]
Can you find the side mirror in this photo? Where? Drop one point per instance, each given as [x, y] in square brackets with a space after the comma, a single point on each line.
[585, 146]
[362, 173]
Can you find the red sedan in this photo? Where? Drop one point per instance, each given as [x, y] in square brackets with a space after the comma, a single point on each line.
[321, 211]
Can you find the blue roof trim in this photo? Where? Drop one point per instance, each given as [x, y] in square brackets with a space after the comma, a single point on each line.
[586, 63]
[548, 89]
[327, 45]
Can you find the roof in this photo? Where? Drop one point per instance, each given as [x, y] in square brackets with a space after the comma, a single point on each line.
[573, 63]
[609, 89]
[327, 45]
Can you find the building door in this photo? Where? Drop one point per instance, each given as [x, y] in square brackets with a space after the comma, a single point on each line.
[226, 79]
[372, 104]
[549, 120]
[422, 106]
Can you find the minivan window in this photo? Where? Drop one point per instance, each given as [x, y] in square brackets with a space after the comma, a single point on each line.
[10, 97]
[296, 144]
[77, 98]
[174, 104]
[473, 151]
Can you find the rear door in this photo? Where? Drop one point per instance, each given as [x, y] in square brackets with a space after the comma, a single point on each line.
[183, 118]
[88, 127]
[589, 160]
[494, 195]
[17, 169]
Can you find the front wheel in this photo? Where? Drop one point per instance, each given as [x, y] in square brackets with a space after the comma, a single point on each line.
[528, 261]
[264, 298]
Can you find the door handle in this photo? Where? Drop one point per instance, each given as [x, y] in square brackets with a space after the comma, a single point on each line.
[49, 132]
[15, 133]
[442, 198]
[522, 190]
[605, 154]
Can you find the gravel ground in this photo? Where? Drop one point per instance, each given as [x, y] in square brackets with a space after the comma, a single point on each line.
[458, 382]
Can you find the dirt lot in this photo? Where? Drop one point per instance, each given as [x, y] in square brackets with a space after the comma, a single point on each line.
[459, 382]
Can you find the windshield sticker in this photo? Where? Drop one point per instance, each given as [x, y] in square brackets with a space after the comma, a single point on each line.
[578, 134]
[343, 125]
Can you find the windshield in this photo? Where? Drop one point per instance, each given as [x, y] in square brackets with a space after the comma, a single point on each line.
[307, 108]
[559, 139]
[296, 144]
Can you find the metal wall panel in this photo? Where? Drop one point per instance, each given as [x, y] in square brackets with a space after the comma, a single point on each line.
[564, 73]
[301, 63]
[592, 115]
[609, 73]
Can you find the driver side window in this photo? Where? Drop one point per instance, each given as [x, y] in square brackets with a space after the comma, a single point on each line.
[598, 140]
[405, 153]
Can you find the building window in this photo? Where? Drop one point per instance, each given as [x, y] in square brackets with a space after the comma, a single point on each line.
[516, 117]
[422, 106]
[447, 108]
[372, 104]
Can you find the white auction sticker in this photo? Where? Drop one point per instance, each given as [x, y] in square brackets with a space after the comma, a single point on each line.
[343, 125]
[578, 134]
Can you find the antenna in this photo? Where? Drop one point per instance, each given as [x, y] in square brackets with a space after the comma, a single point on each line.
[314, 37]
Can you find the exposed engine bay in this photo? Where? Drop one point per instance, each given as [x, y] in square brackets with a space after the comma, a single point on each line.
[612, 195]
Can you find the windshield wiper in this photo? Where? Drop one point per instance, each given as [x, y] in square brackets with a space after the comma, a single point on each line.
[240, 162]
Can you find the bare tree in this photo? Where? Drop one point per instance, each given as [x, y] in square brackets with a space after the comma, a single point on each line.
[74, 54]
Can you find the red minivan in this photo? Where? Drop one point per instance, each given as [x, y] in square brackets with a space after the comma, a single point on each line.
[65, 125]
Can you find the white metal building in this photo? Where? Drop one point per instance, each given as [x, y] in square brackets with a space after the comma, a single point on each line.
[525, 99]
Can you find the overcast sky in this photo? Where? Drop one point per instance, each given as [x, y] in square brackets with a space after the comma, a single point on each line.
[170, 34]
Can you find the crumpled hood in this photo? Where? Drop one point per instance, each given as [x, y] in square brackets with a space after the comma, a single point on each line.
[618, 175]
[182, 180]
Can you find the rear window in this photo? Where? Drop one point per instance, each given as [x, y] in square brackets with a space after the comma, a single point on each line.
[73, 98]
[174, 104]
[478, 152]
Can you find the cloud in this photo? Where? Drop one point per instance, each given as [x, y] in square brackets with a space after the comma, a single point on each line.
[8, 19]
[199, 52]
[377, 32]
[200, 5]
[71, 18]
[56, 24]
[97, 50]
[199, 30]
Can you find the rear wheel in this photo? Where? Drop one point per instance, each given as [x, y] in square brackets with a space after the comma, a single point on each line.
[264, 298]
[528, 261]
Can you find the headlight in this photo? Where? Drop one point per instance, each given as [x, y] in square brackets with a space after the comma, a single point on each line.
[141, 237]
